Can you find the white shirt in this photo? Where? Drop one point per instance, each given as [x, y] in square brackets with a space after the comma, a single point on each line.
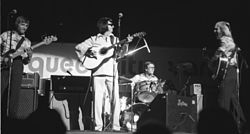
[99, 41]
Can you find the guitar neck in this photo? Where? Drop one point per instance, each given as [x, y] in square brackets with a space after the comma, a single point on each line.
[18, 53]
[37, 45]
[122, 41]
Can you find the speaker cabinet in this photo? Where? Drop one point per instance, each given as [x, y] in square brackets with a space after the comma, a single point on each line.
[30, 80]
[28, 102]
[179, 113]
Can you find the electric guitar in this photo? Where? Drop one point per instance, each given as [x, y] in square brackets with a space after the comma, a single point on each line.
[11, 54]
[98, 54]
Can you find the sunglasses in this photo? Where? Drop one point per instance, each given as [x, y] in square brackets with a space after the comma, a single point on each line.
[110, 24]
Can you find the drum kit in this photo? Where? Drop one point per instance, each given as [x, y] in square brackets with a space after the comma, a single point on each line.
[142, 94]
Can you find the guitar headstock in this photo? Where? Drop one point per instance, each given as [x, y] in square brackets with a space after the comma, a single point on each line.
[49, 39]
[139, 34]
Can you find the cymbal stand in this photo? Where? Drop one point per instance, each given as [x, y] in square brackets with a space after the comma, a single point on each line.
[131, 107]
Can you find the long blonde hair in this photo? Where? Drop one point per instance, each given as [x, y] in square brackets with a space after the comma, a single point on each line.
[223, 25]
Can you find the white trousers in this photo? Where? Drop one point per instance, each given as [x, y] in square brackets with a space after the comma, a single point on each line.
[103, 87]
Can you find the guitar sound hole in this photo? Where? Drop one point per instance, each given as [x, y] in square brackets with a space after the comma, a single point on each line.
[103, 51]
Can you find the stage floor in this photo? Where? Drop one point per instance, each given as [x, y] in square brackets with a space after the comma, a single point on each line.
[106, 132]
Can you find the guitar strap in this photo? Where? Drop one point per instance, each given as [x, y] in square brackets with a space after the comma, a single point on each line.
[17, 46]
[20, 43]
[112, 39]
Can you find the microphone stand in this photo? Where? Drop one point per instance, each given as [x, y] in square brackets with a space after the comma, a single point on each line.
[10, 27]
[116, 50]
[135, 50]
[119, 27]
[112, 106]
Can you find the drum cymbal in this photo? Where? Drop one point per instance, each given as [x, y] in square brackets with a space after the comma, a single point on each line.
[123, 79]
[124, 84]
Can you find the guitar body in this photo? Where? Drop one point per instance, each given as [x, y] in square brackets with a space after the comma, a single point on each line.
[100, 54]
[6, 58]
[222, 66]
[92, 62]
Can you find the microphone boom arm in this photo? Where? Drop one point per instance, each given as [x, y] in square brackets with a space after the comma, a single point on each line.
[135, 50]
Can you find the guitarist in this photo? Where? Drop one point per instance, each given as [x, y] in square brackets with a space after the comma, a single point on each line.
[228, 85]
[12, 41]
[105, 75]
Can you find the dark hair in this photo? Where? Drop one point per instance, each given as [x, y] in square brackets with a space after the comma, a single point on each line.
[147, 63]
[102, 24]
[21, 19]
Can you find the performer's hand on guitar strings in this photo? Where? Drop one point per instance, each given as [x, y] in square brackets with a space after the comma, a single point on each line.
[29, 52]
[129, 38]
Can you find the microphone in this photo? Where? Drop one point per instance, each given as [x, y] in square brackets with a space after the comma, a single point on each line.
[69, 73]
[120, 15]
[238, 49]
[146, 44]
[14, 11]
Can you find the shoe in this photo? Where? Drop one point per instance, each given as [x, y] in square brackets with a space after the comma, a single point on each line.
[97, 130]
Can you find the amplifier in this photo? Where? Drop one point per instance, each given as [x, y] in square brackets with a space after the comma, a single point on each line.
[179, 113]
[195, 89]
[30, 80]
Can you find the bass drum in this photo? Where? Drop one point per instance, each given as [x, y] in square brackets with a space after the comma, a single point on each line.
[130, 116]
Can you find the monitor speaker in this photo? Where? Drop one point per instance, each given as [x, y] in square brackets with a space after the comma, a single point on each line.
[179, 113]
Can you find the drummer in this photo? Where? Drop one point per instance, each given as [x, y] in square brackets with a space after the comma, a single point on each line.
[145, 79]
[147, 75]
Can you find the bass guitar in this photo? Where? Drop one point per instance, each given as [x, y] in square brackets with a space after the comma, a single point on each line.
[98, 54]
[12, 54]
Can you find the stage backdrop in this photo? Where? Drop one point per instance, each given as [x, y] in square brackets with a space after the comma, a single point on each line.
[176, 65]
[179, 66]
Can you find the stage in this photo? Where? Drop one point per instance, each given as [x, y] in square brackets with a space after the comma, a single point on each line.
[107, 132]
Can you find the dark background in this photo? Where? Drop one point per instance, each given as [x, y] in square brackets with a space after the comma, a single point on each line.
[170, 23]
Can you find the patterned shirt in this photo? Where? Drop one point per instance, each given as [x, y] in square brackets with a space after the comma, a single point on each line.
[5, 42]
[228, 48]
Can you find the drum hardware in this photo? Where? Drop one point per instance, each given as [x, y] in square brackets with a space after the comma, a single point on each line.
[144, 94]
[146, 91]
[130, 116]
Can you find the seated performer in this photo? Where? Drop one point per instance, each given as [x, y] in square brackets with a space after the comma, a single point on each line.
[147, 81]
